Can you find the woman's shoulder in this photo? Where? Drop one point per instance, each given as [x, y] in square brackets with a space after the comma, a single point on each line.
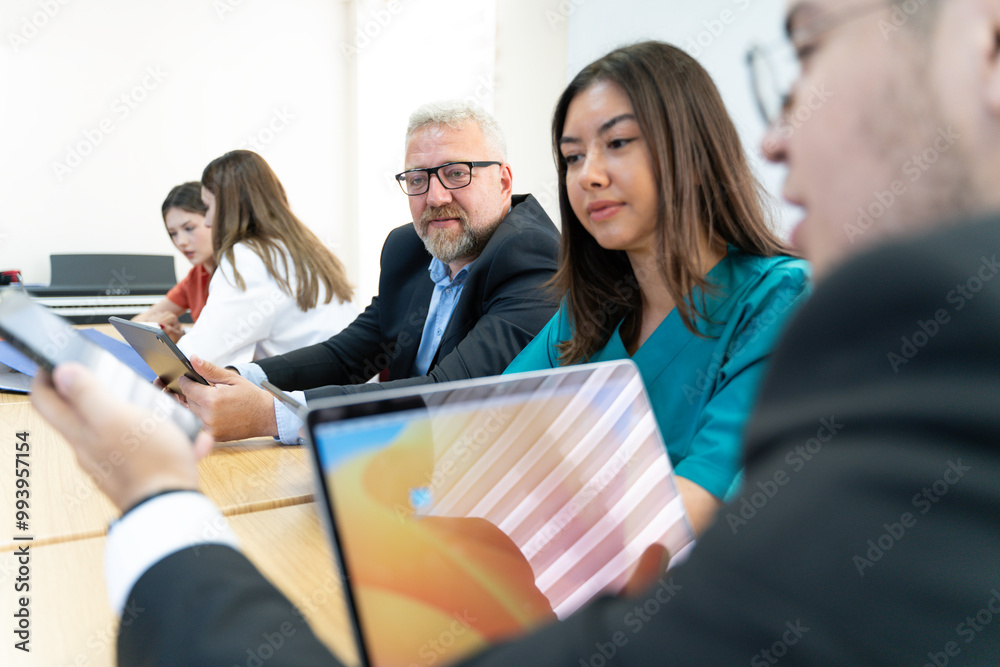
[766, 291]
[193, 275]
[753, 284]
[766, 273]
[777, 264]
[246, 252]
[246, 259]
[199, 273]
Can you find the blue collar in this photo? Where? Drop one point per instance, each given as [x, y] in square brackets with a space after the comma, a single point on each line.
[440, 273]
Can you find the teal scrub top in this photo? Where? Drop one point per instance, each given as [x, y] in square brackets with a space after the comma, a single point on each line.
[702, 389]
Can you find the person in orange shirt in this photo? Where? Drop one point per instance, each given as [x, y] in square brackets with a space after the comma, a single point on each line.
[184, 217]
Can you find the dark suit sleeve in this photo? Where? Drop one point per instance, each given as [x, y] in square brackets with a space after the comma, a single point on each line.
[209, 606]
[511, 306]
[339, 359]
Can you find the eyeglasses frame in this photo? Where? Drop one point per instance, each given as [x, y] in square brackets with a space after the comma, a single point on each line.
[433, 171]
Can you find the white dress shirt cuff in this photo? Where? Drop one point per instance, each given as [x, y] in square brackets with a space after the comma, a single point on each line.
[154, 530]
[251, 371]
[288, 422]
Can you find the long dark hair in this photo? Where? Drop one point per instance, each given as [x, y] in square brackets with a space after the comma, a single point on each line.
[705, 188]
[251, 207]
[187, 197]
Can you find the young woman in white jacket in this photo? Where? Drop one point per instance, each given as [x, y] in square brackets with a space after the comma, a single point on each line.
[276, 287]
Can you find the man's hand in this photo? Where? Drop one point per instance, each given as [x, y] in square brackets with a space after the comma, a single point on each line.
[652, 564]
[95, 425]
[232, 408]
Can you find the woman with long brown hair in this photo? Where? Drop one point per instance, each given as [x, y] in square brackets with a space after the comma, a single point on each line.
[277, 287]
[667, 257]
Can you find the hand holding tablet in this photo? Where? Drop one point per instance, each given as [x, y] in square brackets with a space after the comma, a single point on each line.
[156, 349]
[50, 341]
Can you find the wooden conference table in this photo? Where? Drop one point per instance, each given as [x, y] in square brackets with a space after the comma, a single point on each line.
[264, 489]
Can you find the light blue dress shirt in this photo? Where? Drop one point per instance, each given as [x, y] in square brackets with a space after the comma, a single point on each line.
[288, 422]
[702, 389]
[443, 302]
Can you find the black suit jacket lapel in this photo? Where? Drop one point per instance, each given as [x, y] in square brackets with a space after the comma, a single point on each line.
[412, 328]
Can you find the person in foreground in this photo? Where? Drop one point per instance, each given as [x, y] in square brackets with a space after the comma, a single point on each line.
[866, 531]
[184, 217]
[277, 286]
[459, 292]
[667, 260]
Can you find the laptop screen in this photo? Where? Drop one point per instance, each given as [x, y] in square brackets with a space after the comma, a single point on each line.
[467, 513]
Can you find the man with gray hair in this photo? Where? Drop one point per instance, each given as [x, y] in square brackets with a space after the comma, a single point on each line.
[460, 291]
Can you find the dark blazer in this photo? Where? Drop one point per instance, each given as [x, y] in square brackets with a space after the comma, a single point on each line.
[503, 305]
[867, 532]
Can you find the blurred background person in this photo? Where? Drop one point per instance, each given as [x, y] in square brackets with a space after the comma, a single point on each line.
[184, 217]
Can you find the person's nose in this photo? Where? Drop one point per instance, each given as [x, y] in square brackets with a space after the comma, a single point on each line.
[594, 171]
[437, 194]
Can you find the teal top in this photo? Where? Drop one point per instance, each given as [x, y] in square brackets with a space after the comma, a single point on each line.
[702, 389]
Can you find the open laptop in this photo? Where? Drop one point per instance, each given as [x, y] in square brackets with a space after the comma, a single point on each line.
[466, 513]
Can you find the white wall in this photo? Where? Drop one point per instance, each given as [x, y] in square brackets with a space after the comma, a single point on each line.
[716, 32]
[402, 61]
[337, 80]
[199, 78]
[507, 56]
[530, 75]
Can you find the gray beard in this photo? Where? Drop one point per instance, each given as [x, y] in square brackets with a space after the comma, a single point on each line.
[448, 247]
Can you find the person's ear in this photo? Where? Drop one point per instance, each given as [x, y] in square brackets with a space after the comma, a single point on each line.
[506, 180]
[993, 65]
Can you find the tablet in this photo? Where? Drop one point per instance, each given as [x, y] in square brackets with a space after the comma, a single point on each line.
[49, 340]
[290, 403]
[158, 351]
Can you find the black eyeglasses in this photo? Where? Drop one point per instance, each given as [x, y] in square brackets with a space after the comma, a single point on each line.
[453, 175]
[775, 70]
